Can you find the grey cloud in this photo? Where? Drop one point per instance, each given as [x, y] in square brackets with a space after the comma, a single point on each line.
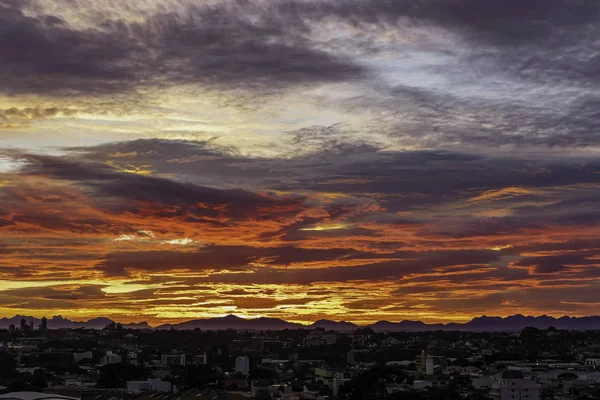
[378, 271]
[108, 184]
[398, 181]
[554, 264]
[232, 45]
[222, 257]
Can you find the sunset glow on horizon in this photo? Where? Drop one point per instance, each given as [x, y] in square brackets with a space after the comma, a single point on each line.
[357, 160]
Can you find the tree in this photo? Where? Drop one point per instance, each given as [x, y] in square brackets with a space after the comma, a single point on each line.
[262, 373]
[117, 375]
[39, 378]
[8, 365]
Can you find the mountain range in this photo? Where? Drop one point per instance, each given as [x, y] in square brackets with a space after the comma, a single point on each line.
[512, 323]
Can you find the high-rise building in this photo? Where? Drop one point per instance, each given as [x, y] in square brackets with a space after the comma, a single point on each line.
[12, 328]
[242, 365]
[44, 324]
[23, 325]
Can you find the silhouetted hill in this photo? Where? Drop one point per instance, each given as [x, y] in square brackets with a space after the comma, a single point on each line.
[334, 325]
[484, 323]
[58, 322]
[233, 322]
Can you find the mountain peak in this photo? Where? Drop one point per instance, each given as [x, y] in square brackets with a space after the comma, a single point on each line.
[230, 317]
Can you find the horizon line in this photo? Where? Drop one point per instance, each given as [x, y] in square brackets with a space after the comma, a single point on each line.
[293, 322]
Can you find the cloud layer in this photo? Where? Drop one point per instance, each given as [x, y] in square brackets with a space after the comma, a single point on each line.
[358, 235]
[356, 159]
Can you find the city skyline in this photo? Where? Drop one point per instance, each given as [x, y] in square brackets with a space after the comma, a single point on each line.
[356, 160]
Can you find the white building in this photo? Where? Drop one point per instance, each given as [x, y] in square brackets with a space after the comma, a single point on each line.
[429, 365]
[111, 358]
[512, 386]
[242, 365]
[156, 385]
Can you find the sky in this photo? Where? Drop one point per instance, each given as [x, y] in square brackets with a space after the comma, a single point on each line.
[356, 160]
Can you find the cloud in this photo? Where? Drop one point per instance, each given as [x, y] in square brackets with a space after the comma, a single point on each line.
[19, 117]
[109, 184]
[221, 258]
[424, 230]
[555, 264]
[231, 45]
[415, 263]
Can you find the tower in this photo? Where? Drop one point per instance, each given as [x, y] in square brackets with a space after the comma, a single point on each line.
[44, 324]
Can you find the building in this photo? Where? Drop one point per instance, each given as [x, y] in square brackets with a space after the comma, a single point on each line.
[155, 385]
[12, 328]
[351, 357]
[132, 358]
[201, 359]
[328, 375]
[512, 386]
[110, 358]
[319, 338]
[434, 364]
[77, 357]
[252, 348]
[242, 365]
[169, 360]
[23, 325]
[427, 363]
[337, 384]
[44, 324]
[593, 362]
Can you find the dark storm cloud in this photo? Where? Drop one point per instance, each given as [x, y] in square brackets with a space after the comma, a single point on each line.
[232, 45]
[108, 184]
[501, 23]
[222, 258]
[573, 245]
[397, 180]
[566, 119]
[419, 263]
[50, 297]
[521, 73]
[555, 264]
[517, 73]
